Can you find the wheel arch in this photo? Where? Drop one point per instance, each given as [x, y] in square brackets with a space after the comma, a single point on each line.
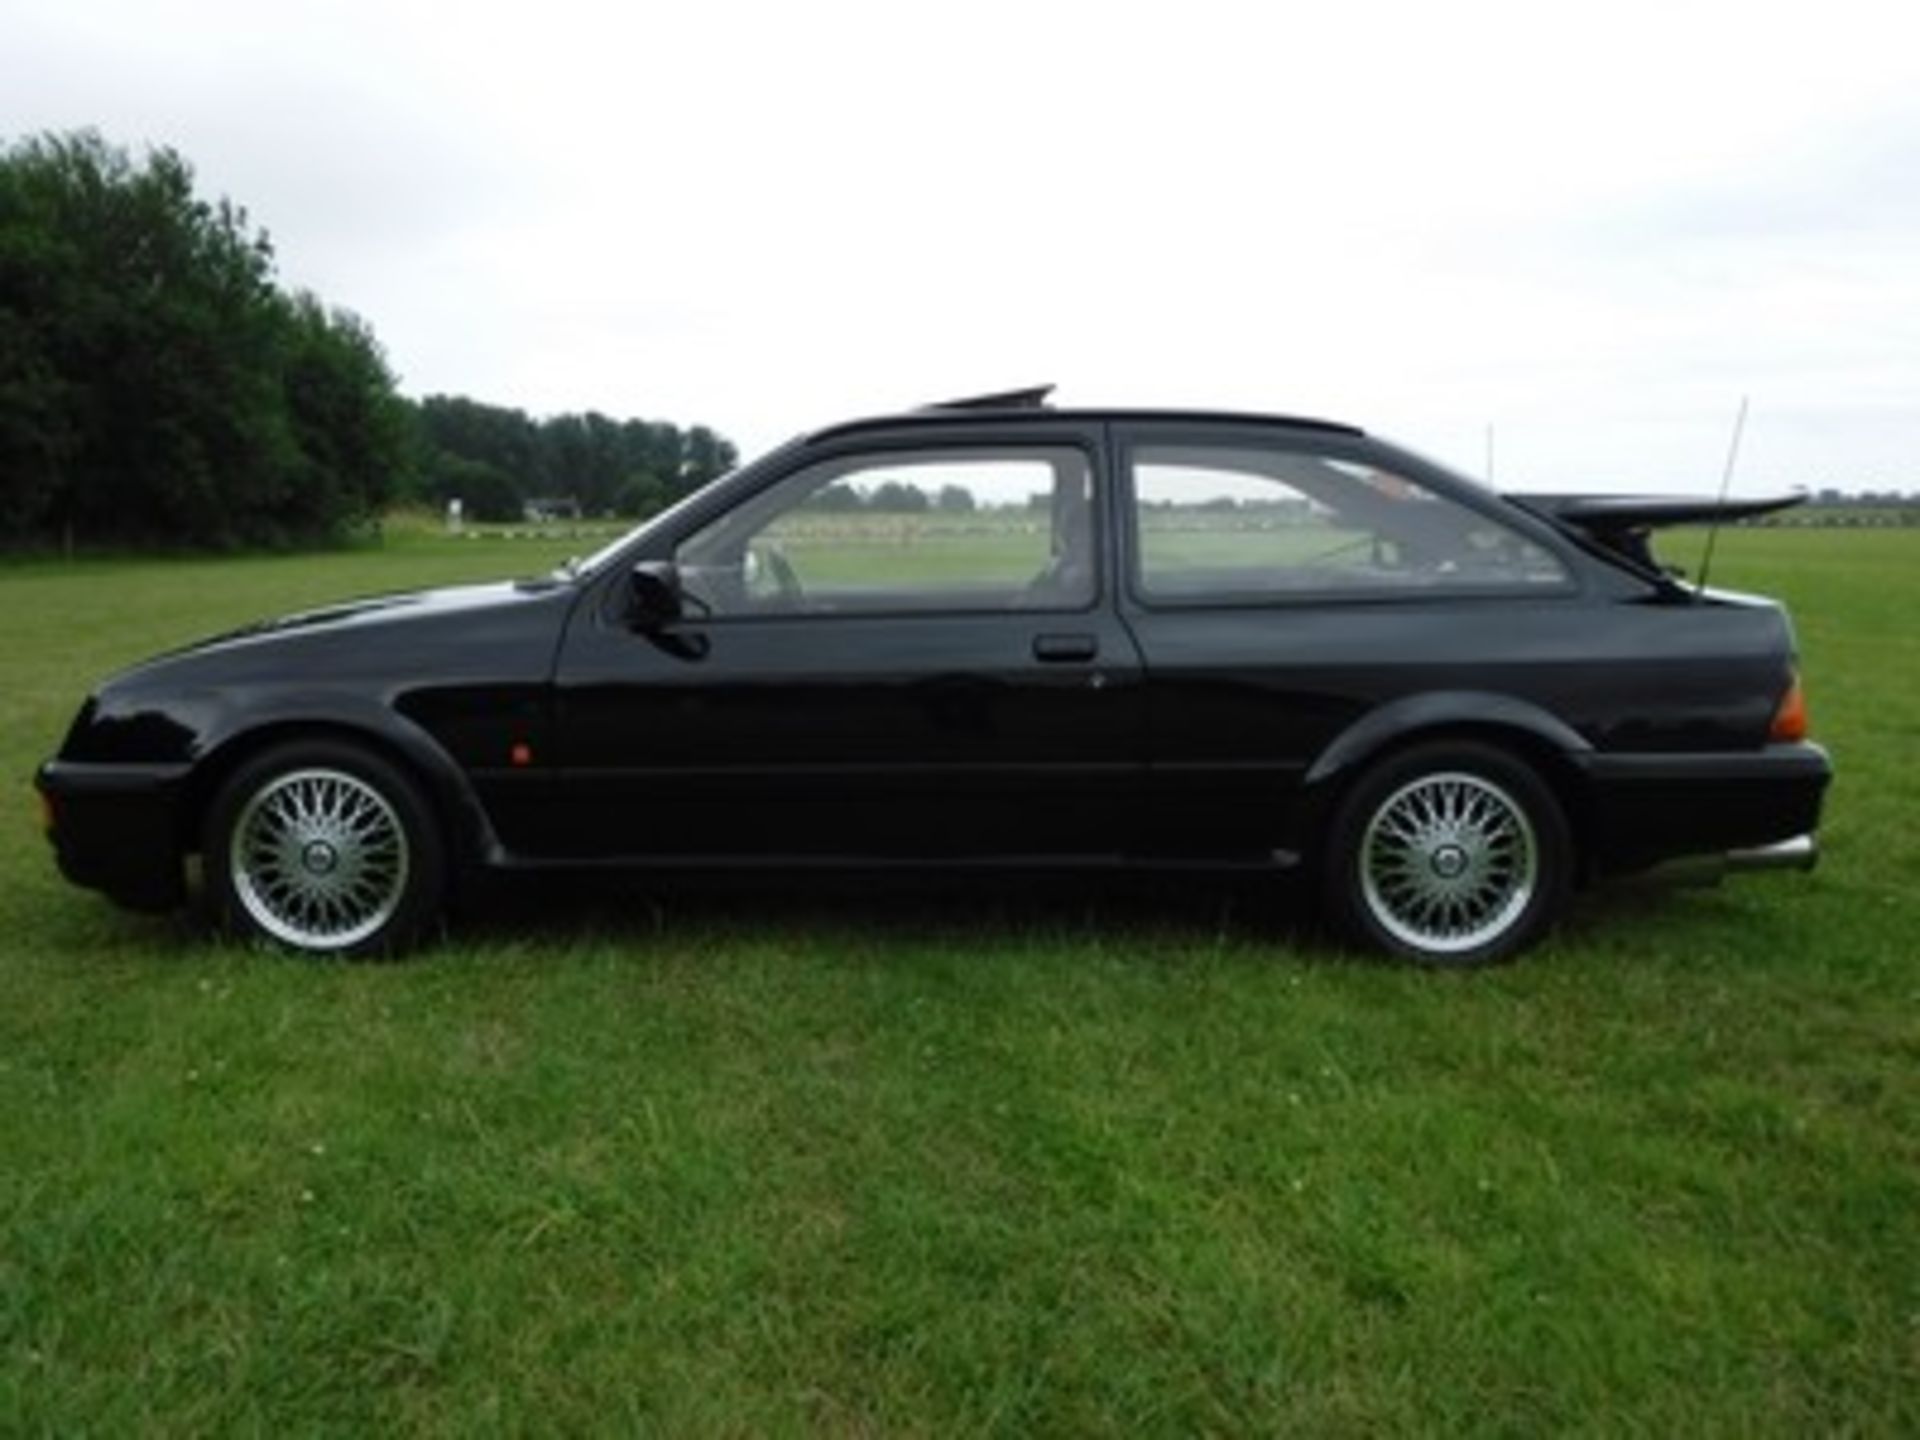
[1530, 734]
[463, 821]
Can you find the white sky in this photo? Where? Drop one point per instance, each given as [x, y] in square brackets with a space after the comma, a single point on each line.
[1591, 226]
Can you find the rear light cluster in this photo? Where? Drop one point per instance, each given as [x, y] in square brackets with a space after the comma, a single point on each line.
[1790, 715]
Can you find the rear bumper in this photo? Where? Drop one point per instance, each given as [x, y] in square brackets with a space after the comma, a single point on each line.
[119, 829]
[1747, 808]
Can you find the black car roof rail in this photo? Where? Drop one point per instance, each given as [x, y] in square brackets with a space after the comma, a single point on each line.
[1032, 403]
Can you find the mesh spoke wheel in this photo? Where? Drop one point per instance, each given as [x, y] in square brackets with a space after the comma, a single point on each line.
[1448, 862]
[1450, 853]
[326, 848]
[319, 859]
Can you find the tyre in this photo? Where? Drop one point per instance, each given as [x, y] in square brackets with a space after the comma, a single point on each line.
[324, 848]
[1448, 854]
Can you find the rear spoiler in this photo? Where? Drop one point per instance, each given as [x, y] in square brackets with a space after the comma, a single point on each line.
[1625, 523]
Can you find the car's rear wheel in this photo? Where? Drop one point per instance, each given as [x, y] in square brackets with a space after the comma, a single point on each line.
[325, 848]
[1448, 854]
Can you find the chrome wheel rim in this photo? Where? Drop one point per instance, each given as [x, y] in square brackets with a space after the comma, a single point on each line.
[1448, 863]
[319, 859]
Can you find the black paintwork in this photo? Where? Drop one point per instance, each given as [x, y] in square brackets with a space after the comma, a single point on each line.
[549, 730]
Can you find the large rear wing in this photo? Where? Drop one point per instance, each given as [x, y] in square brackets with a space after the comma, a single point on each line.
[1625, 524]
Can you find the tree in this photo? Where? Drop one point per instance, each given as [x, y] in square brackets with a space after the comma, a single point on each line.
[639, 496]
[839, 498]
[897, 497]
[503, 440]
[36, 432]
[484, 491]
[707, 457]
[955, 499]
[154, 383]
[628, 467]
[658, 448]
[353, 433]
[157, 385]
[582, 457]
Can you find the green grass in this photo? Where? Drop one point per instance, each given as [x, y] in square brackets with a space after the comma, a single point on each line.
[962, 1160]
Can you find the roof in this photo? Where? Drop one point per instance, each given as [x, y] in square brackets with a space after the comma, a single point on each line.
[1031, 404]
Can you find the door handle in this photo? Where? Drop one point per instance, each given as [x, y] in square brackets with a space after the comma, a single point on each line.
[1059, 649]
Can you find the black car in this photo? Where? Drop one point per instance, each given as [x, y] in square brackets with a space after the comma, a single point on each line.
[989, 632]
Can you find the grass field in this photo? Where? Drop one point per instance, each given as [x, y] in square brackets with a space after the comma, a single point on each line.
[957, 1160]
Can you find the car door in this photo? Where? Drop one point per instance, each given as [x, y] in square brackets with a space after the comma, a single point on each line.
[1285, 580]
[902, 647]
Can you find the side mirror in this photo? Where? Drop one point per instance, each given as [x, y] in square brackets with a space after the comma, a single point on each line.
[653, 594]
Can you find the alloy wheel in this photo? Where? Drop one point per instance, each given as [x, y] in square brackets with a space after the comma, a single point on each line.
[319, 859]
[1448, 863]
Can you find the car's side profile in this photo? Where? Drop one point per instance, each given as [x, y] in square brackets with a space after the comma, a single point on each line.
[988, 633]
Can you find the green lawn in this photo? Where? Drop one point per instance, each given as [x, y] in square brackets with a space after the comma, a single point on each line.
[1094, 1159]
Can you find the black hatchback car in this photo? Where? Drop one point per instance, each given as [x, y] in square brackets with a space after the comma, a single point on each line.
[989, 632]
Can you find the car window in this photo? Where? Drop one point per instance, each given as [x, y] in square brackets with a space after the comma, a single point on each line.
[925, 532]
[1214, 521]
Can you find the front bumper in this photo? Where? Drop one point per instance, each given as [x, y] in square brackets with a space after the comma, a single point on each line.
[1749, 808]
[119, 829]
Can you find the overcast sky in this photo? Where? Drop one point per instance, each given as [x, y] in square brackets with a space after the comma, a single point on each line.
[1590, 227]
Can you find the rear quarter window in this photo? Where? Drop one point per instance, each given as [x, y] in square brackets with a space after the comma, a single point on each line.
[1216, 521]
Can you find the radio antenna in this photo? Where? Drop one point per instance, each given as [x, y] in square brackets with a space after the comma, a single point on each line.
[1726, 484]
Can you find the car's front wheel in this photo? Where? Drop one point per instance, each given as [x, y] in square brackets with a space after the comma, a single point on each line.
[323, 847]
[1450, 853]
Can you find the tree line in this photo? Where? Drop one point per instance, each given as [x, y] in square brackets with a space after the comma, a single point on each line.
[159, 387]
[494, 460]
[891, 497]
